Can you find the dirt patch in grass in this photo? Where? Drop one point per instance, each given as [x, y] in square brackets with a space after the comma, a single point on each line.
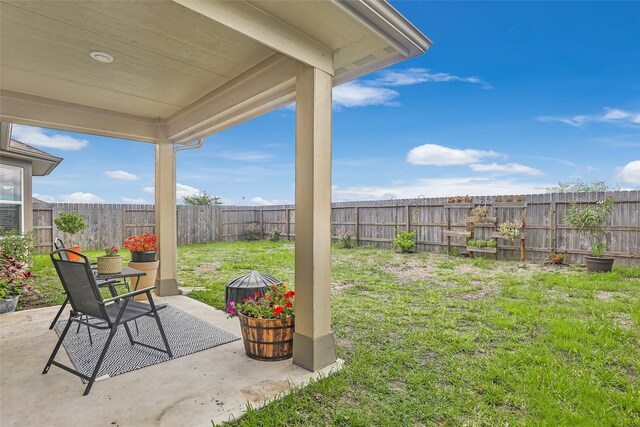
[623, 320]
[486, 291]
[338, 287]
[608, 296]
[410, 269]
[207, 268]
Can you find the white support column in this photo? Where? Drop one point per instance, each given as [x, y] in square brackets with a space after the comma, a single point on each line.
[313, 342]
[166, 218]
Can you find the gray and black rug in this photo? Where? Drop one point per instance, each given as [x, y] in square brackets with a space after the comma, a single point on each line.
[186, 334]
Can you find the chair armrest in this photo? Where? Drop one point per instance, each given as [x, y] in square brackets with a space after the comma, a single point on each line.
[107, 282]
[129, 294]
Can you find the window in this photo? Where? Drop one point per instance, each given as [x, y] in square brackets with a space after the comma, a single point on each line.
[11, 208]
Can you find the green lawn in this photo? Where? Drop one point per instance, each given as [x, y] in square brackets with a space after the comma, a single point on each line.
[435, 340]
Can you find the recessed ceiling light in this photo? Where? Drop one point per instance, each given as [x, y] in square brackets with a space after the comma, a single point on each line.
[103, 57]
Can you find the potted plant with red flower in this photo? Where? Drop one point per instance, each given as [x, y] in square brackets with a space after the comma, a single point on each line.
[267, 323]
[143, 247]
[143, 257]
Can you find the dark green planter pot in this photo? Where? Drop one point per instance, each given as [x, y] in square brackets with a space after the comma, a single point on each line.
[149, 256]
[599, 264]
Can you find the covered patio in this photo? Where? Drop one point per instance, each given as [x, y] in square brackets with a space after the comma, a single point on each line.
[171, 73]
[212, 385]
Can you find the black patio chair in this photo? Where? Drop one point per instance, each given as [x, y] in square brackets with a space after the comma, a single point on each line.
[84, 295]
[58, 244]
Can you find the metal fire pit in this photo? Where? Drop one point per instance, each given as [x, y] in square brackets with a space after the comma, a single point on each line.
[245, 286]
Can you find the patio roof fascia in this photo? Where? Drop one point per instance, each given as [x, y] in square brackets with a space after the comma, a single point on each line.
[33, 110]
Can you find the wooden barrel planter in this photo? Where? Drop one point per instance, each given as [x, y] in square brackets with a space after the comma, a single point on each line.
[267, 339]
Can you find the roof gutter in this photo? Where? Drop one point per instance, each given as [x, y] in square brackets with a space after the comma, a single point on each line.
[388, 23]
[190, 146]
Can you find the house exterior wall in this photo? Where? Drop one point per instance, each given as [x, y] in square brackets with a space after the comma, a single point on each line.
[27, 188]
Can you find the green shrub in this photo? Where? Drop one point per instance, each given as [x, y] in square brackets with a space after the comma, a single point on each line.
[453, 252]
[346, 240]
[274, 235]
[405, 240]
[253, 232]
[18, 246]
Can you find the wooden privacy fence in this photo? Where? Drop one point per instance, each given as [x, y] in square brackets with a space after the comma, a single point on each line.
[111, 224]
[435, 222]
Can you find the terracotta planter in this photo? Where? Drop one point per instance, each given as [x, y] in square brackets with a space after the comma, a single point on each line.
[599, 264]
[267, 339]
[148, 256]
[109, 264]
[151, 268]
[8, 305]
[74, 257]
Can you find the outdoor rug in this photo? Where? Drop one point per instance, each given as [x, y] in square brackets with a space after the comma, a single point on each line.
[186, 334]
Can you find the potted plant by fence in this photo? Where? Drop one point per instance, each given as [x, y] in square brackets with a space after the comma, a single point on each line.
[71, 223]
[267, 323]
[143, 257]
[110, 262]
[13, 282]
[590, 221]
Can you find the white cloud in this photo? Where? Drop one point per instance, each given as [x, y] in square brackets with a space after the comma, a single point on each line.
[39, 137]
[263, 202]
[45, 197]
[609, 115]
[440, 187]
[630, 173]
[137, 200]
[505, 168]
[439, 155]
[80, 197]
[359, 94]
[182, 190]
[412, 76]
[121, 175]
[247, 156]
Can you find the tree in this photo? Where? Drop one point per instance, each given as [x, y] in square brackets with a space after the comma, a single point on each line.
[579, 187]
[202, 199]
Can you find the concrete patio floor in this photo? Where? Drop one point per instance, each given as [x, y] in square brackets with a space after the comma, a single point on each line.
[211, 385]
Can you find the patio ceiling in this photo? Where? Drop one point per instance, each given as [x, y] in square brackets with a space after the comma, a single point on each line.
[191, 67]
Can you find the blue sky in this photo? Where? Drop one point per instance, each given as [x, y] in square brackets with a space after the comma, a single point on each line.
[511, 98]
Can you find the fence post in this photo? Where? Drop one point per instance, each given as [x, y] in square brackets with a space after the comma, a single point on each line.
[448, 211]
[288, 224]
[406, 212]
[261, 224]
[357, 233]
[554, 227]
